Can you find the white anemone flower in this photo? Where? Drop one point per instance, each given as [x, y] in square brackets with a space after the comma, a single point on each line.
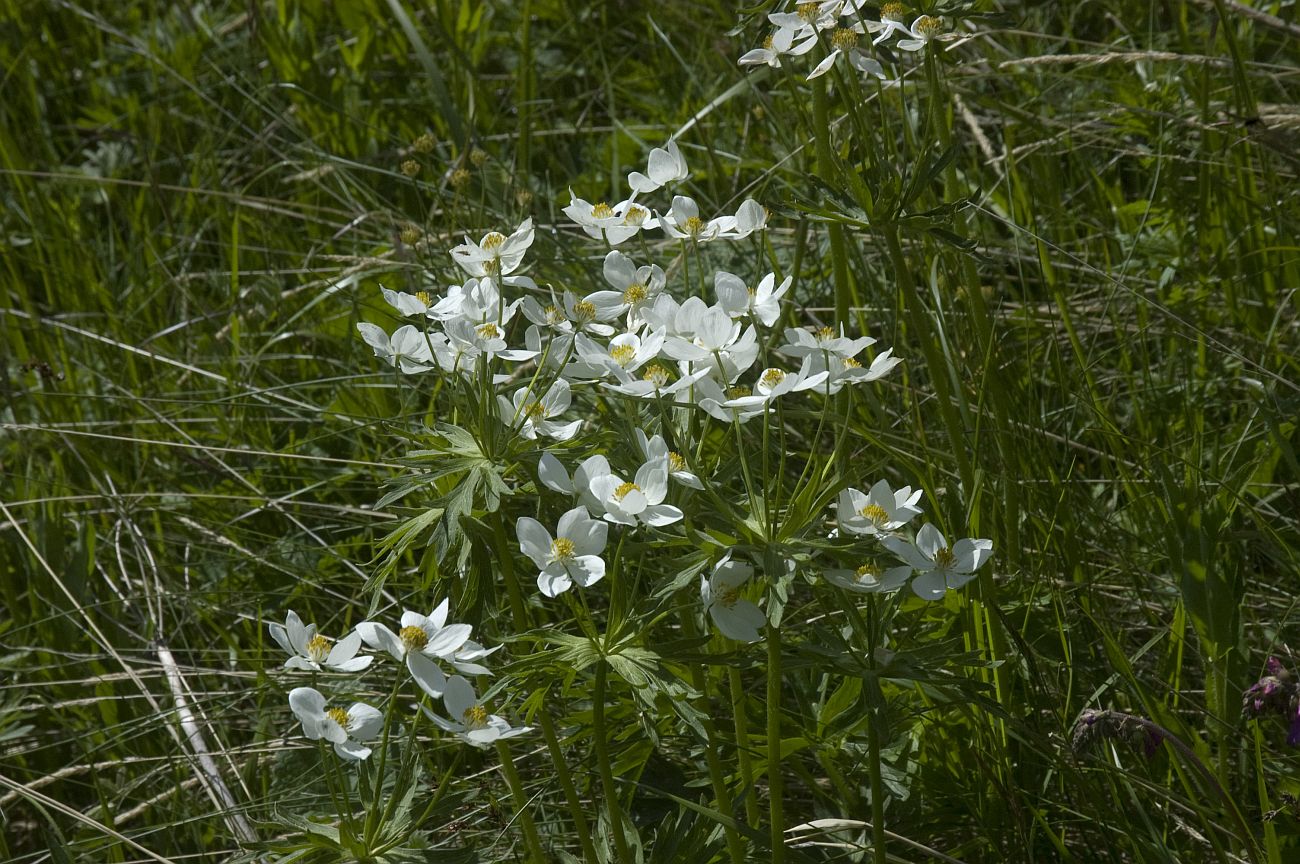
[683, 222]
[572, 556]
[736, 403]
[941, 567]
[655, 449]
[611, 224]
[718, 343]
[471, 721]
[880, 512]
[533, 416]
[923, 31]
[408, 349]
[344, 728]
[823, 341]
[496, 254]
[844, 43]
[893, 19]
[312, 652]
[663, 167]
[626, 352]
[847, 370]
[640, 500]
[809, 17]
[468, 338]
[552, 474]
[634, 286]
[408, 304]
[657, 381]
[422, 640]
[870, 578]
[773, 383]
[781, 43]
[736, 617]
[761, 302]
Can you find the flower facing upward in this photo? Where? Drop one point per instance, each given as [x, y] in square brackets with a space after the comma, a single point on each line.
[941, 567]
[869, 578]
[344, 728]
[496, 254]
[422, 640]
[664, 166]
[470, 720]
[309, 651]
[879, 512]
[572, 556]
[639, 500]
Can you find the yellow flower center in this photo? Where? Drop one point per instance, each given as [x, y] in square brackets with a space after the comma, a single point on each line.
[624, 490]
[535, 411]
[339, 716]
[424, 297]
[657, 374]
[635, 293]
[868, 573]
[584, 310]
[773, 377]
[738, 391]
[601, 211]
[318, 648]
[635, 215]
[844, 38]
[729, 596]
[488, 331]
[850, 363]
[623, 354]
[893, 12]
[675, 461]
[807, 11]
[875, 513]
[824, 334]
[694, 225]
[414, 638]
[562, 548]
[927, 26]
[410, 167]
[492, 241]
[944, 559]
[752, 292]
[554, 314]
[423, 144]
[475, 717]
[768, 43]
[492, 266]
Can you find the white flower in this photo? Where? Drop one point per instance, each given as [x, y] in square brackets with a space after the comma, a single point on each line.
[626, 353]
[892, 20]
[869, 579]
[574, 554]
[779, 44]
[923, 31]
[422, 639]
[881, 511]
[551, 473]
[311, 652]
[773, 382]
[408, 349]
[844, 43]
[735, 403]
[533, 415]
[638, 500]
[664, 167]
[635, 286]
[656, 449]
[471, 722]
[683, 222]
[808, 17]
[408, 304]
[465, 338]
[823, 341]
[612, 224]
[718, 343]
[847, 370]
[495, 255]
[342, 728]
[941, 567]
[656, 382]
[735, 616]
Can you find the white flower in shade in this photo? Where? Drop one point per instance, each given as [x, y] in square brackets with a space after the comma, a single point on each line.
[823, 341]
[629, 502]
[422, 641]
[496, 254]
[736, 617]
[750, 217]
[717, 343]
[847, 370]
[809, 17]
[940, 566]
[612, 224]
[737, 402]
[634, 286]
[869, 579]
[533, 416]
[470, 720]
[656, 449]
[782, 42]
[762, 302]
[657, 381]
[893, 19]
[408, 349]
[773, 383]
[683, 222]
[923, 31]
[344, 728]
[572, 556]
[879, 512]
[664, 166]
[552, 474]
[464, 337]
[311, 652]
[626, 353]
[844, 43]
[408, 304]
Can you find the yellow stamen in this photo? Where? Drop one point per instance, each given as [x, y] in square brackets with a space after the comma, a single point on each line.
[944, 559]
[414, 638]
[635, 215]
[339, 716]
[623, 354]
[424, 297]
[492, 266]
[624, 490]
[635, 293]
[893, 12]
[844, 38]
[584, 310]
[850, 363]
[475, 717]
[534, 411]
[875, 513]
[927, 26]
[739, 391]
[488, 331]
[675, 461]
[869, 573]
[601, 211]
[807, 11]
[318, 648]
[694, 225]
[657, 374]
[554, 314]
[773, 377]
[492, 240]
[824, 334]
[562, 548]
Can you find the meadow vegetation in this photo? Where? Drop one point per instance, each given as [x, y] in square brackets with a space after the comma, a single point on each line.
[313, 315]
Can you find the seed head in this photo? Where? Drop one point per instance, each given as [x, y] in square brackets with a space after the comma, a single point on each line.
[424, 144]
[410, 167]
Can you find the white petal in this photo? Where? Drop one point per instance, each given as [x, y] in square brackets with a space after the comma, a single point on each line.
[458, 697]
[552, 474]
[380, 638]
[426, 674]
[364, 722]
[344, 649]
[930, 586]
[741, 621]
[534, 540]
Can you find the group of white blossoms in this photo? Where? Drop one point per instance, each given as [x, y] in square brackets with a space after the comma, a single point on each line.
[846, 24]
[635, 339]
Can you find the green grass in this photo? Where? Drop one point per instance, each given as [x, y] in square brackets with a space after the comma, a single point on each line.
[1101, 376]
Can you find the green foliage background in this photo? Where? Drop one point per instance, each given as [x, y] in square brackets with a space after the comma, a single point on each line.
[199, 202]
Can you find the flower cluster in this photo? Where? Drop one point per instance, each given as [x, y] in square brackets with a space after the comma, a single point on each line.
[1276, 693]
[842, 26]
[421, 644]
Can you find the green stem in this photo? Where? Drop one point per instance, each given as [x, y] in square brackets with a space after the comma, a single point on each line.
[774, 780]
[743, 751]
[531, 840]
[826, 171]
[613, 812]
[879, 856]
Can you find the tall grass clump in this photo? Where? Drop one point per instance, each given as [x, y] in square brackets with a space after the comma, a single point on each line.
[823, 431]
